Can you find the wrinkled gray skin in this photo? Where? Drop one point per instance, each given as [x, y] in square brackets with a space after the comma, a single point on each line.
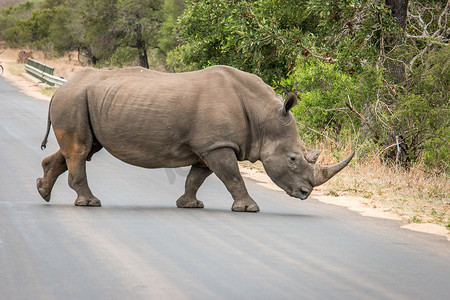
[207, 119]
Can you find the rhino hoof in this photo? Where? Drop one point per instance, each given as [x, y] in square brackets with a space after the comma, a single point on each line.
[185, 202]
[42, 191]
[243, 206]
[82, 201]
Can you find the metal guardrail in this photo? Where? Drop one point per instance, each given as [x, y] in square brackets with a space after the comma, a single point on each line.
[43, 72]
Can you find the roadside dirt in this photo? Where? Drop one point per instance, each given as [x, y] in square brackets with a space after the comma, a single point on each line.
[12, 73]
[66, 66]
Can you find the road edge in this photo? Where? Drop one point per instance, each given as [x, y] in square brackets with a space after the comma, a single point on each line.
[353, 203]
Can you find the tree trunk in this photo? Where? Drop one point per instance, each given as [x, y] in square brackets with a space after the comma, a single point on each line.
[142, 52]
[142, 48]
[399, 12]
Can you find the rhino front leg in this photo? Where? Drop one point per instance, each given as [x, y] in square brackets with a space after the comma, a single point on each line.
[223, 163]
[195, 178]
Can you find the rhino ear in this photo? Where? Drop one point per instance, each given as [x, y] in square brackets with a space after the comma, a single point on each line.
[312, 156]
[290, 102]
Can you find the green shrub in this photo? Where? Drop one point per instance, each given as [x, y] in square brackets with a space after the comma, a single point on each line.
[324, 90]
[124, 56]
[403, 124]
[30, 32]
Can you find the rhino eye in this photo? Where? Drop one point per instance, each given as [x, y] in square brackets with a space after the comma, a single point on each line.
[292, 158]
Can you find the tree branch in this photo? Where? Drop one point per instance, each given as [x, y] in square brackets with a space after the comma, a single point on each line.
[325, 59]
[349, 105]
[319, 133]
[420, 54]
[445, 16]
[439, 37]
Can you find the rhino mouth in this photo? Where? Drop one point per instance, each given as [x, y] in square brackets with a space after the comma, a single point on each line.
[301, 193]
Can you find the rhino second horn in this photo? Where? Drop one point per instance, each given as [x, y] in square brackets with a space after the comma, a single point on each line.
[324, 173]
[312, 156]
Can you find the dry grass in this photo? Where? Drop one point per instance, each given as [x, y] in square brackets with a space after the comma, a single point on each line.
[419, 195]
[15, 68]
[416, 194]
[49, 90]
[64, 66]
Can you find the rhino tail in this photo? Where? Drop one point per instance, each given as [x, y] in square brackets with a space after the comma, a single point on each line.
[49, 123]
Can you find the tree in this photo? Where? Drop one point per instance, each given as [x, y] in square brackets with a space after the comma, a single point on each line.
[66, 30]
[114, 27]
[261, 37]
[100, 37]
[30, 31]
[167, 35]
[10, 3]
[113, 32]
[138, 23]
[9, 14]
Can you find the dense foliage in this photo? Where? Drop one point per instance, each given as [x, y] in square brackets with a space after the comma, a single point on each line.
[371, 74]
[364, 71]
[10, 15]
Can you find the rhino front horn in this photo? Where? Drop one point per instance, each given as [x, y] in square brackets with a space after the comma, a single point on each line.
[324, 173]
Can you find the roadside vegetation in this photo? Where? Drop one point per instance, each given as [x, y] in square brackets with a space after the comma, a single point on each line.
[371, 75]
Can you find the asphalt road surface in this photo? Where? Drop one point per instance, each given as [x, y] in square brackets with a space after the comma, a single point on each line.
[140, 246]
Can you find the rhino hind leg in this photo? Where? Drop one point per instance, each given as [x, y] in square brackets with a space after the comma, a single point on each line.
[223, 163]
[195, 178]
[76, 163]
[53, 165]
[77, 146]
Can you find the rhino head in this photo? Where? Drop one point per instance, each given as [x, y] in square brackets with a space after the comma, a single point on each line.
[286, 160]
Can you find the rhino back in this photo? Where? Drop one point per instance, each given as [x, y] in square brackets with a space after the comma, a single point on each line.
[153, 119]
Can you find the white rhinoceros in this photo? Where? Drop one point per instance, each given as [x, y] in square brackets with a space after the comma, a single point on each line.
[207, 119]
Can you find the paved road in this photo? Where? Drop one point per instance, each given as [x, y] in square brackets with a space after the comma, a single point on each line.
[140, 246]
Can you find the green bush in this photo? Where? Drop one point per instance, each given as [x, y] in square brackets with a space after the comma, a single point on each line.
[10, 15]
[124, 56]
[404, 124]
[424, 113]
[30, 32]
[324, 90]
